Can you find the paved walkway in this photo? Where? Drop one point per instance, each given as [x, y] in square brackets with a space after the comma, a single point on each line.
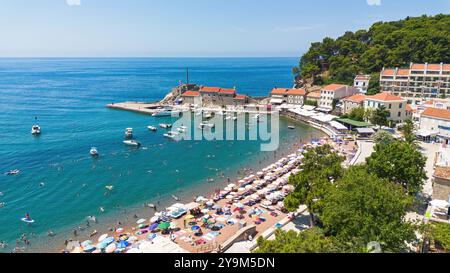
[366, 148]
[429, 150]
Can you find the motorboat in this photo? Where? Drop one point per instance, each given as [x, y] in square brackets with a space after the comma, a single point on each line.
[171, 135]
[165, 126]
[291, 127]
[129, 132]
[207, 115]
[206, 126]
[152, 128]
[13, 172]
[166, 113]
[36, 130]
[132, 143]
[181, 130]
[94, 151]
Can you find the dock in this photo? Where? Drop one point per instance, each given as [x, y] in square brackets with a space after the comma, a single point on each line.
[147, 108]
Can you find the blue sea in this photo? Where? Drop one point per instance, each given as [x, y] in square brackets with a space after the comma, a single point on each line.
[60, 184]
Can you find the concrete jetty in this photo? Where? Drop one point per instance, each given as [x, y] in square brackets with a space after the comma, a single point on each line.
[147, 108]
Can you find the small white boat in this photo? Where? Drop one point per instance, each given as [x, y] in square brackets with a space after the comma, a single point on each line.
[13, 172]
[132, 143]
[35, 130]
[94, 151]
[181, 130]
[152, 128]
[207, 115]
[291, 127]
[171, 135]
[165, 126]
[129, 132]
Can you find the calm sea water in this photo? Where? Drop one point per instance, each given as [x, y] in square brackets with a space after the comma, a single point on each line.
[69, 96]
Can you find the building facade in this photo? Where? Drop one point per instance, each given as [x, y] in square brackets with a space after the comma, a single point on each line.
[361, 82]
[437, 122]
[352, 102]
[333, 92]
[392, 103]
[419, 81]
[292, 96]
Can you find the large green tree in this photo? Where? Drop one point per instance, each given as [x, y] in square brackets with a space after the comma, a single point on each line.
[309, 241]
[320, 168]
[401, 163]
[364, 208]
[407, 130]
[380, 116]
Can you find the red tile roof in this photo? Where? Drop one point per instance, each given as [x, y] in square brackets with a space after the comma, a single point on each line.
[356, 98]
[403, 72]
[409, 108]
[315, 94]
[385, 96]
[362, 78]
[240, 97]
[191, 94]
[436, 113]
[333, 87]
[209, 89]
[446, 67]
[418, 67]
[388, 72]
[300, 92]
[279, 91]
[434, 67]
[227, 91]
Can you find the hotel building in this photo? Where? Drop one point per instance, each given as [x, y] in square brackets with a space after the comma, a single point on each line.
[333, 92]
[419, 81]
[392, 103]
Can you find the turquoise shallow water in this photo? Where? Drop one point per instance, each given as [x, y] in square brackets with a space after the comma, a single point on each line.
[69, 97]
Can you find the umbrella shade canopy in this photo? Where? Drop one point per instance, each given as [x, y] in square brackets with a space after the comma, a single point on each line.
[141, 221]
[239, 205]
[232, 185]
[122, 244]
[210, 203]
[111, 248]
[101, 245]
[108, 240]
[189, 217]
[102, 237]
[86, 243]
[153, 226]
[154, 219]
[195, 228]
[119, 230]
[89, 248]
[217, 207]
[164, 225]
[204, 211]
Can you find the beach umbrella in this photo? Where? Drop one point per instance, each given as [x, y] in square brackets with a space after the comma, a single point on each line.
[227, 189]
[102, 237]
[239, 205]
[111, 248]
[204, 211]
[101, 245]
[153, 226]
[109, 240]
[241, 189]
[154, 219]
[86, 243]
[89, 248]
[248, 187]
[241, 181]
[119, 230]
[173, 225]
[164, 225]
[216, 207]
[122, 244]
[189, 217]
[151, 236]
[210, 203]
[132, 239]
[229, 197]
[232, 185]
[195, 228]
[201, 199]
[267, 203]
[142, 226]
[141, 221]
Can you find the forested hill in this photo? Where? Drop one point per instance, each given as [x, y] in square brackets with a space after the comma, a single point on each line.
[414, 39]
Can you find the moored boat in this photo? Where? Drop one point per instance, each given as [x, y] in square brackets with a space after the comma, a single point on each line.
[152, 128]
[132, 143]
[94, 151]
[129, 132]
[36, 130]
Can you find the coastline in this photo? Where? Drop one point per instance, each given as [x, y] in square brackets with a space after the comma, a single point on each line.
[126, 215]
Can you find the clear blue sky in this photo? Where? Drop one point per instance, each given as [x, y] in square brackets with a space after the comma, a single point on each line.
[188, 27]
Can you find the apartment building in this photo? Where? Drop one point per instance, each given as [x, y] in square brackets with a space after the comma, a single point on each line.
[396, 105]
[418, 82]
[332, 92]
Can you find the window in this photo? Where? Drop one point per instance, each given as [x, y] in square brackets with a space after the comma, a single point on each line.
[399, 114]
[401, 106]
[390, 106]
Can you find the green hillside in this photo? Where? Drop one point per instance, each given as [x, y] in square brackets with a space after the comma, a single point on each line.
[414, 39]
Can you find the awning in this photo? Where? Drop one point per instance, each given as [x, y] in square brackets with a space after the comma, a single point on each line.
[365, 131]
[276, 101]
[324, 118]
[425, 133]
[338, 125]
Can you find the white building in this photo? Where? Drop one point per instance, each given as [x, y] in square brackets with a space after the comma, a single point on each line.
[436, 122]
[362, 83]
[333, 92]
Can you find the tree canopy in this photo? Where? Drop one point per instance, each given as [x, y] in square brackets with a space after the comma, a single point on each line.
[401, 163]
[364, 208]
[385, 44]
